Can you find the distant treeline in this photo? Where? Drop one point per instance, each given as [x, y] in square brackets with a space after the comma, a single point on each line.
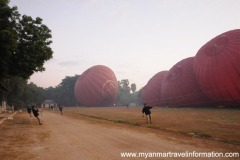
[20, 93]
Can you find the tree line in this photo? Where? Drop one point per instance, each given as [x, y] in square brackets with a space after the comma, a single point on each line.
[23, 93]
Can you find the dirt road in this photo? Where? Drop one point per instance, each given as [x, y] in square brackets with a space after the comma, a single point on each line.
[68, 137]
[80, 139]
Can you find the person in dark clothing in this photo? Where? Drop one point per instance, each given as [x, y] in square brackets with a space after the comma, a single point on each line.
[61, 109]
[36, 114]
[146, 110]
[29, 110]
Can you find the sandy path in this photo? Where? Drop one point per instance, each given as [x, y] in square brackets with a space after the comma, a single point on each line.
[79, 139]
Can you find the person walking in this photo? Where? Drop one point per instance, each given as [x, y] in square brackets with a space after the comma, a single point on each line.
[29, 110]
[61, 109]
[35, 113]
[146, 110]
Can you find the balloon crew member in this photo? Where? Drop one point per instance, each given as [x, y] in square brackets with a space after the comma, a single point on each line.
[35, 113]
[146, 110]
[61, 109]
[29, 110]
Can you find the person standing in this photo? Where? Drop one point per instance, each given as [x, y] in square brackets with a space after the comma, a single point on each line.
[146, 110]
[35, 113]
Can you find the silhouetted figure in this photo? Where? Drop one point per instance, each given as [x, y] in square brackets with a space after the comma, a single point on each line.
[35, 113]
[61, 109]
[29, 110]
[146, 110]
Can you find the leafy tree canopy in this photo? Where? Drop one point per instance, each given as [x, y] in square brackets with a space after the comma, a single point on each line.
[20, 93]
[133, 87]
[63, 93]
[24, 43]
[124, 96]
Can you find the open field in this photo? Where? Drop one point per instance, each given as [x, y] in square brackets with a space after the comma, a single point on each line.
[105, 132]
[220, 124]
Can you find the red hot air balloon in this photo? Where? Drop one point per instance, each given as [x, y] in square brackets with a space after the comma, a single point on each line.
[151, 92]
[217, 68]
[97, 86]
[180, 88]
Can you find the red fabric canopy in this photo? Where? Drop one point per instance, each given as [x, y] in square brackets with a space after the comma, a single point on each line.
[97, 86]
[180, 88]
[151, 92]
[217, 68]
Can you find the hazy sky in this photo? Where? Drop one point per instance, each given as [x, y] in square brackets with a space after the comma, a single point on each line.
[135, 38]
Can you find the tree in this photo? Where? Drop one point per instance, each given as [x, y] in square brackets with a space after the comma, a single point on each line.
[125, 86]
[16, 87]
[20, 93]
[32, 48]
[63, 93]
[8, 36]
[24, 43]
[124, 96]
[133, 87]
[33, 94]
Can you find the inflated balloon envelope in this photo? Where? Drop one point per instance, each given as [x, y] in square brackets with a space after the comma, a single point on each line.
[180, 88]
[217, 68]
[97, 86]
[151, 92]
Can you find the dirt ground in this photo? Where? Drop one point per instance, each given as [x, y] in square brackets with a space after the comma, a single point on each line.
[220, 124]
[67, 137]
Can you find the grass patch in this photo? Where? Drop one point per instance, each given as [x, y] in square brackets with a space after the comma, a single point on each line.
[218, 124]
